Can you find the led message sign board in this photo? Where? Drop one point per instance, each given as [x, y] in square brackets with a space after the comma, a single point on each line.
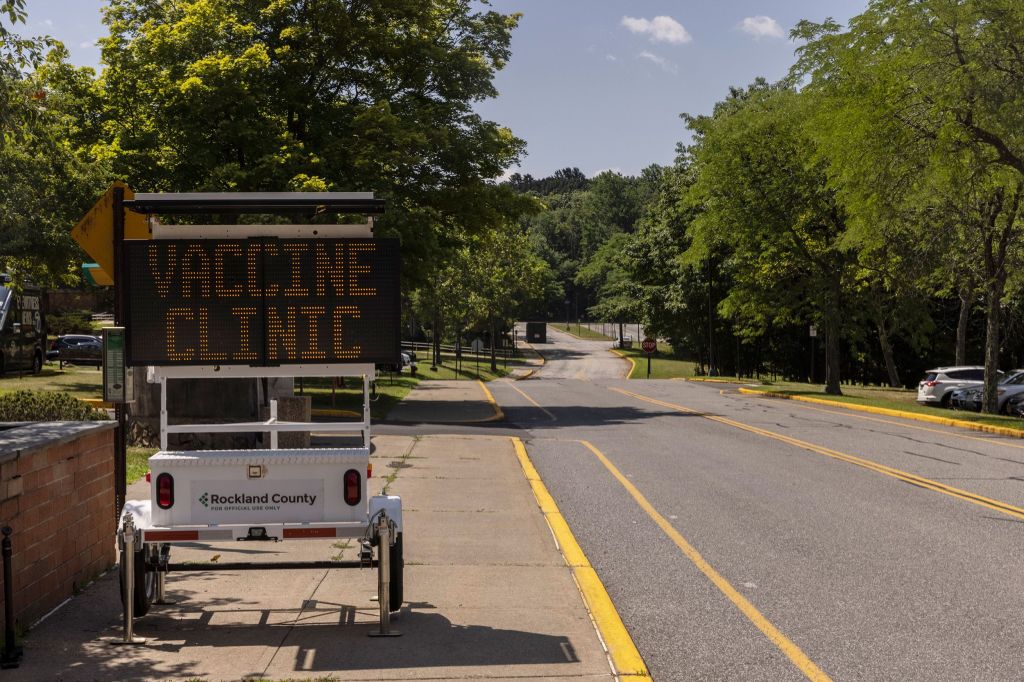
[263, 301]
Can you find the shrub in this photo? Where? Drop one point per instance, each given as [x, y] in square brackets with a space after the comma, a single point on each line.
[69, 323]
[46, 406]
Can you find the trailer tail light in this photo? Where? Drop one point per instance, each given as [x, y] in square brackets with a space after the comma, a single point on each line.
[353, 488]
[165, 491]
[369, 470]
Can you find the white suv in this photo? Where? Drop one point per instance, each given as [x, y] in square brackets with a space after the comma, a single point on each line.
[939, 383]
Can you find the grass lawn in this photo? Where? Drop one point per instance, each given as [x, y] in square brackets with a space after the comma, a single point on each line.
[893, 399]
[389, 393]
[581, 332]
[663, 366]
[137, 463]
[81, 382]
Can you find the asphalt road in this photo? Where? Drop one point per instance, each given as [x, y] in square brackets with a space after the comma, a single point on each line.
[772, 540]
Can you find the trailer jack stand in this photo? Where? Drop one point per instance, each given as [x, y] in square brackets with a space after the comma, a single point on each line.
[386, 538]
[128, 539]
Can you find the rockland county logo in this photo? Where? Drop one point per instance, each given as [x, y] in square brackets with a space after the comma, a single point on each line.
[242, 500]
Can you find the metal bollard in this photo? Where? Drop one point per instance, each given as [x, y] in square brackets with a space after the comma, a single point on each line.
[127, 541]
[385, 540]
[12, 652]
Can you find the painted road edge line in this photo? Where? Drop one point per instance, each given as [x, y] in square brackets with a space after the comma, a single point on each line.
[899, 474]
[625, 658]
[794, 653]
[632, 362]
[945, 421]
[498, 414]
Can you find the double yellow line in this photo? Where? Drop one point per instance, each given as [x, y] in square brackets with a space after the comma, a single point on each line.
[926, 483]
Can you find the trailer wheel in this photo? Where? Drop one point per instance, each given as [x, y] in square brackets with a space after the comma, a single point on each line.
[397, 592]
[145, 583]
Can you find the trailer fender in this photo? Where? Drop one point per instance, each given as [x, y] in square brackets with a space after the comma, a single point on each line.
[142, 512]
[392, 506]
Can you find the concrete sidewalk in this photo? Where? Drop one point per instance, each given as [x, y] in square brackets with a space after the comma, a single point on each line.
[447, 402]
[488, 595]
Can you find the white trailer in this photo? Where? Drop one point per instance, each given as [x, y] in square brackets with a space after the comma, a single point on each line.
[268, 494]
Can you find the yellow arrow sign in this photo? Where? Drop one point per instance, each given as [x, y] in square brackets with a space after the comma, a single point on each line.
[95, 232]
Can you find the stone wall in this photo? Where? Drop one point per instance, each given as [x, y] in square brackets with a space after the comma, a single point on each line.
[57, 493]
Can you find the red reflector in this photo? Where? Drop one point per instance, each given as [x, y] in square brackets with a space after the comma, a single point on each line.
[369, 470]
[353, 488]
[309, 532]
[149, 476]
[169, 535]
[165, 491]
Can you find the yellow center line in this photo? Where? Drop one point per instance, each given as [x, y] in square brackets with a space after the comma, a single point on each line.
[785, 645]
[848, 413]
[927, 483]
[532, 401]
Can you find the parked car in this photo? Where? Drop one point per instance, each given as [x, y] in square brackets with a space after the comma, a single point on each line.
[937, 386]
[1010, 385]
[1015, 405]
[78, 349]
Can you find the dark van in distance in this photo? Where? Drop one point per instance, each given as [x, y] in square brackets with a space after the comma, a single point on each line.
[22, 335]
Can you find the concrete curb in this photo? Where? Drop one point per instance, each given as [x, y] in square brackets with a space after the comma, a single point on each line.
[498, 414]
[543, 361]
[625, 658]
[944, 421]
[331, 412]
[708, 380]
[632, 362]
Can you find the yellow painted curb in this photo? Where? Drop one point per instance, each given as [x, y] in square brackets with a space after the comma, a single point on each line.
[626, 659]
[945, 421]
[331, 412]
[632, 362]
[97, 403]
[708, 380]
[498, 414]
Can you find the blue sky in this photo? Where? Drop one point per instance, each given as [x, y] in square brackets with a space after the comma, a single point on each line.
[594, 84]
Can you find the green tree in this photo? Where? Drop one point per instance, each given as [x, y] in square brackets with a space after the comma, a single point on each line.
[764, 197]
[49, 174]
[926, 103]
[333, 94]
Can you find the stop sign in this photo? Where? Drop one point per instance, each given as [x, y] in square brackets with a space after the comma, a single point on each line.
[649, 345]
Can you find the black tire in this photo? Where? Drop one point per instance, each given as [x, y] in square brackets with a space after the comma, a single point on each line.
[145, 585]
[945, 400]
[397, 592]
[37, 363]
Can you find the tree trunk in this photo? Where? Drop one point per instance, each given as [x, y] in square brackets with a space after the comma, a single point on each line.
[890, 362]
[966, 297]
[437, 339]
[993, 306]
[832, 354]
[621, 332]
[494, 360]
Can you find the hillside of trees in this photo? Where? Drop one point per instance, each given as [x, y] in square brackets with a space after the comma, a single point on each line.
[875, 193]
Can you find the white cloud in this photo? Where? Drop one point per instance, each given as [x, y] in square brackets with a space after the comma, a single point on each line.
[665, 64]
[87, 43]
[611, 58]
[48, 22]
[762, 27]
[659, 29]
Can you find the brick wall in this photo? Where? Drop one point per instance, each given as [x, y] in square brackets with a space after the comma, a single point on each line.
[57, 493]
